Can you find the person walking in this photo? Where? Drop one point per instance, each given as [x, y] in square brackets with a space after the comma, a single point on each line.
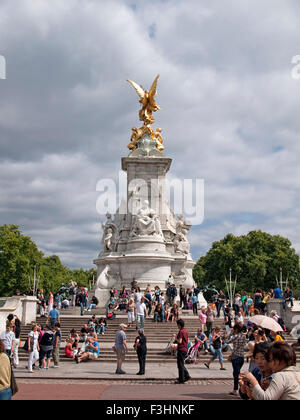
[53, 317]
[194, 301]
[121, 348]
[228, 320]
[215, 345]
[168, 293]
[210, 313]
[5, 375]
[130, 309]
[140, 313]
[82, 300]
[148, 301]
[56, 345]
[33, 347]
[238, 339]
[140, 346]
[182, 349]
[50, 302]
[182, 296]
[173, 294]
[138, 295]
[202, 317]
[17, 331]
[221, 299]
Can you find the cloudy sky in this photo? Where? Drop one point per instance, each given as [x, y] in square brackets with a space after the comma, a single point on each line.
[229, 112]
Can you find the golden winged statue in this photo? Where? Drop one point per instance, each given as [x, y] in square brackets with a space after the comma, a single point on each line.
[145, 114]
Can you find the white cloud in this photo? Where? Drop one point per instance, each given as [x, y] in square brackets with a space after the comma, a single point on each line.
[229, 111]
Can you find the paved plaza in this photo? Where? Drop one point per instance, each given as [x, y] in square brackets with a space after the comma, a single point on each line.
[70, 390]
[94, 381]
[159, 372]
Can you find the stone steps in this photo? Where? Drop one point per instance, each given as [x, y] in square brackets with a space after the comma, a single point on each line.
[158, 336]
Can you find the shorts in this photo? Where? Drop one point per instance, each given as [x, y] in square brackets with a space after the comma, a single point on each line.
[93, 356]
[44, 353]
[120, 354]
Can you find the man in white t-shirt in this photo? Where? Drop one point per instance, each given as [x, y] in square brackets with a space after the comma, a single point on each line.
[140, 313]
[8, 339]
[138, 295]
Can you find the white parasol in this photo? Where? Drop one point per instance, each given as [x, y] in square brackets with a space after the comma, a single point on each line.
[265, 322]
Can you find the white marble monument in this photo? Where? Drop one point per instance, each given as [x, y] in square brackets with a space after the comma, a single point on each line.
[144, 240]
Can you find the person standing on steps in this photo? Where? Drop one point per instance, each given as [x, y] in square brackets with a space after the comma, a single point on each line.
[182, 295]
[182, 349]
[82, 300]
[120, 348]
[33, 347]
[140, 313]
[46, 347]
[140, 346]
[56, 345]
[53, 317]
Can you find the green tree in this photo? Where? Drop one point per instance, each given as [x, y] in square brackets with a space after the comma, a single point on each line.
[19, 255]
[255, 259]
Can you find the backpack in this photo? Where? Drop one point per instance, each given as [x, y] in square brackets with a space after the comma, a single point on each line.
[47, 339]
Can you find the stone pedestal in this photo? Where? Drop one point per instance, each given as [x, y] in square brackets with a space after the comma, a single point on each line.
[146, 242]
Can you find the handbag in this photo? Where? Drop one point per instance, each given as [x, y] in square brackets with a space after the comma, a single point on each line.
[13, 383]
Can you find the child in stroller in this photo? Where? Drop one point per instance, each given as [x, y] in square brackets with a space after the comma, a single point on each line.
[194, 351]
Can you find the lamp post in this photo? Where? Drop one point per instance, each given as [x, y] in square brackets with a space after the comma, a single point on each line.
[230, 290]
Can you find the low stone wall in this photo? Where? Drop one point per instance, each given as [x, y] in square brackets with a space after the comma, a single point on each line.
[291, 316]
[22, 306]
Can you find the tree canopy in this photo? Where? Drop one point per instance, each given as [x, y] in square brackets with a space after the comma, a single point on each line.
[255, 259]
[19, 255]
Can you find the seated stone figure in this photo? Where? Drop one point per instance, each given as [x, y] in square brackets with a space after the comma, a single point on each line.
[147, 222]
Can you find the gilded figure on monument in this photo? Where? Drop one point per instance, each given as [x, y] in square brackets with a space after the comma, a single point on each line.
[149, 105]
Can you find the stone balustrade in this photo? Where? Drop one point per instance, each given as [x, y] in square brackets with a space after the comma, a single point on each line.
[25, 307]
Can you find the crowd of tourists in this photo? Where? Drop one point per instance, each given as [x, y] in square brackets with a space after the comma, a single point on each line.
[271, 372]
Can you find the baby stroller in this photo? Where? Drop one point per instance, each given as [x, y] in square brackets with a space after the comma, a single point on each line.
[193, 354]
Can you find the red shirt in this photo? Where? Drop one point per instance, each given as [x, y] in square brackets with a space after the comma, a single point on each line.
[185, 340]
